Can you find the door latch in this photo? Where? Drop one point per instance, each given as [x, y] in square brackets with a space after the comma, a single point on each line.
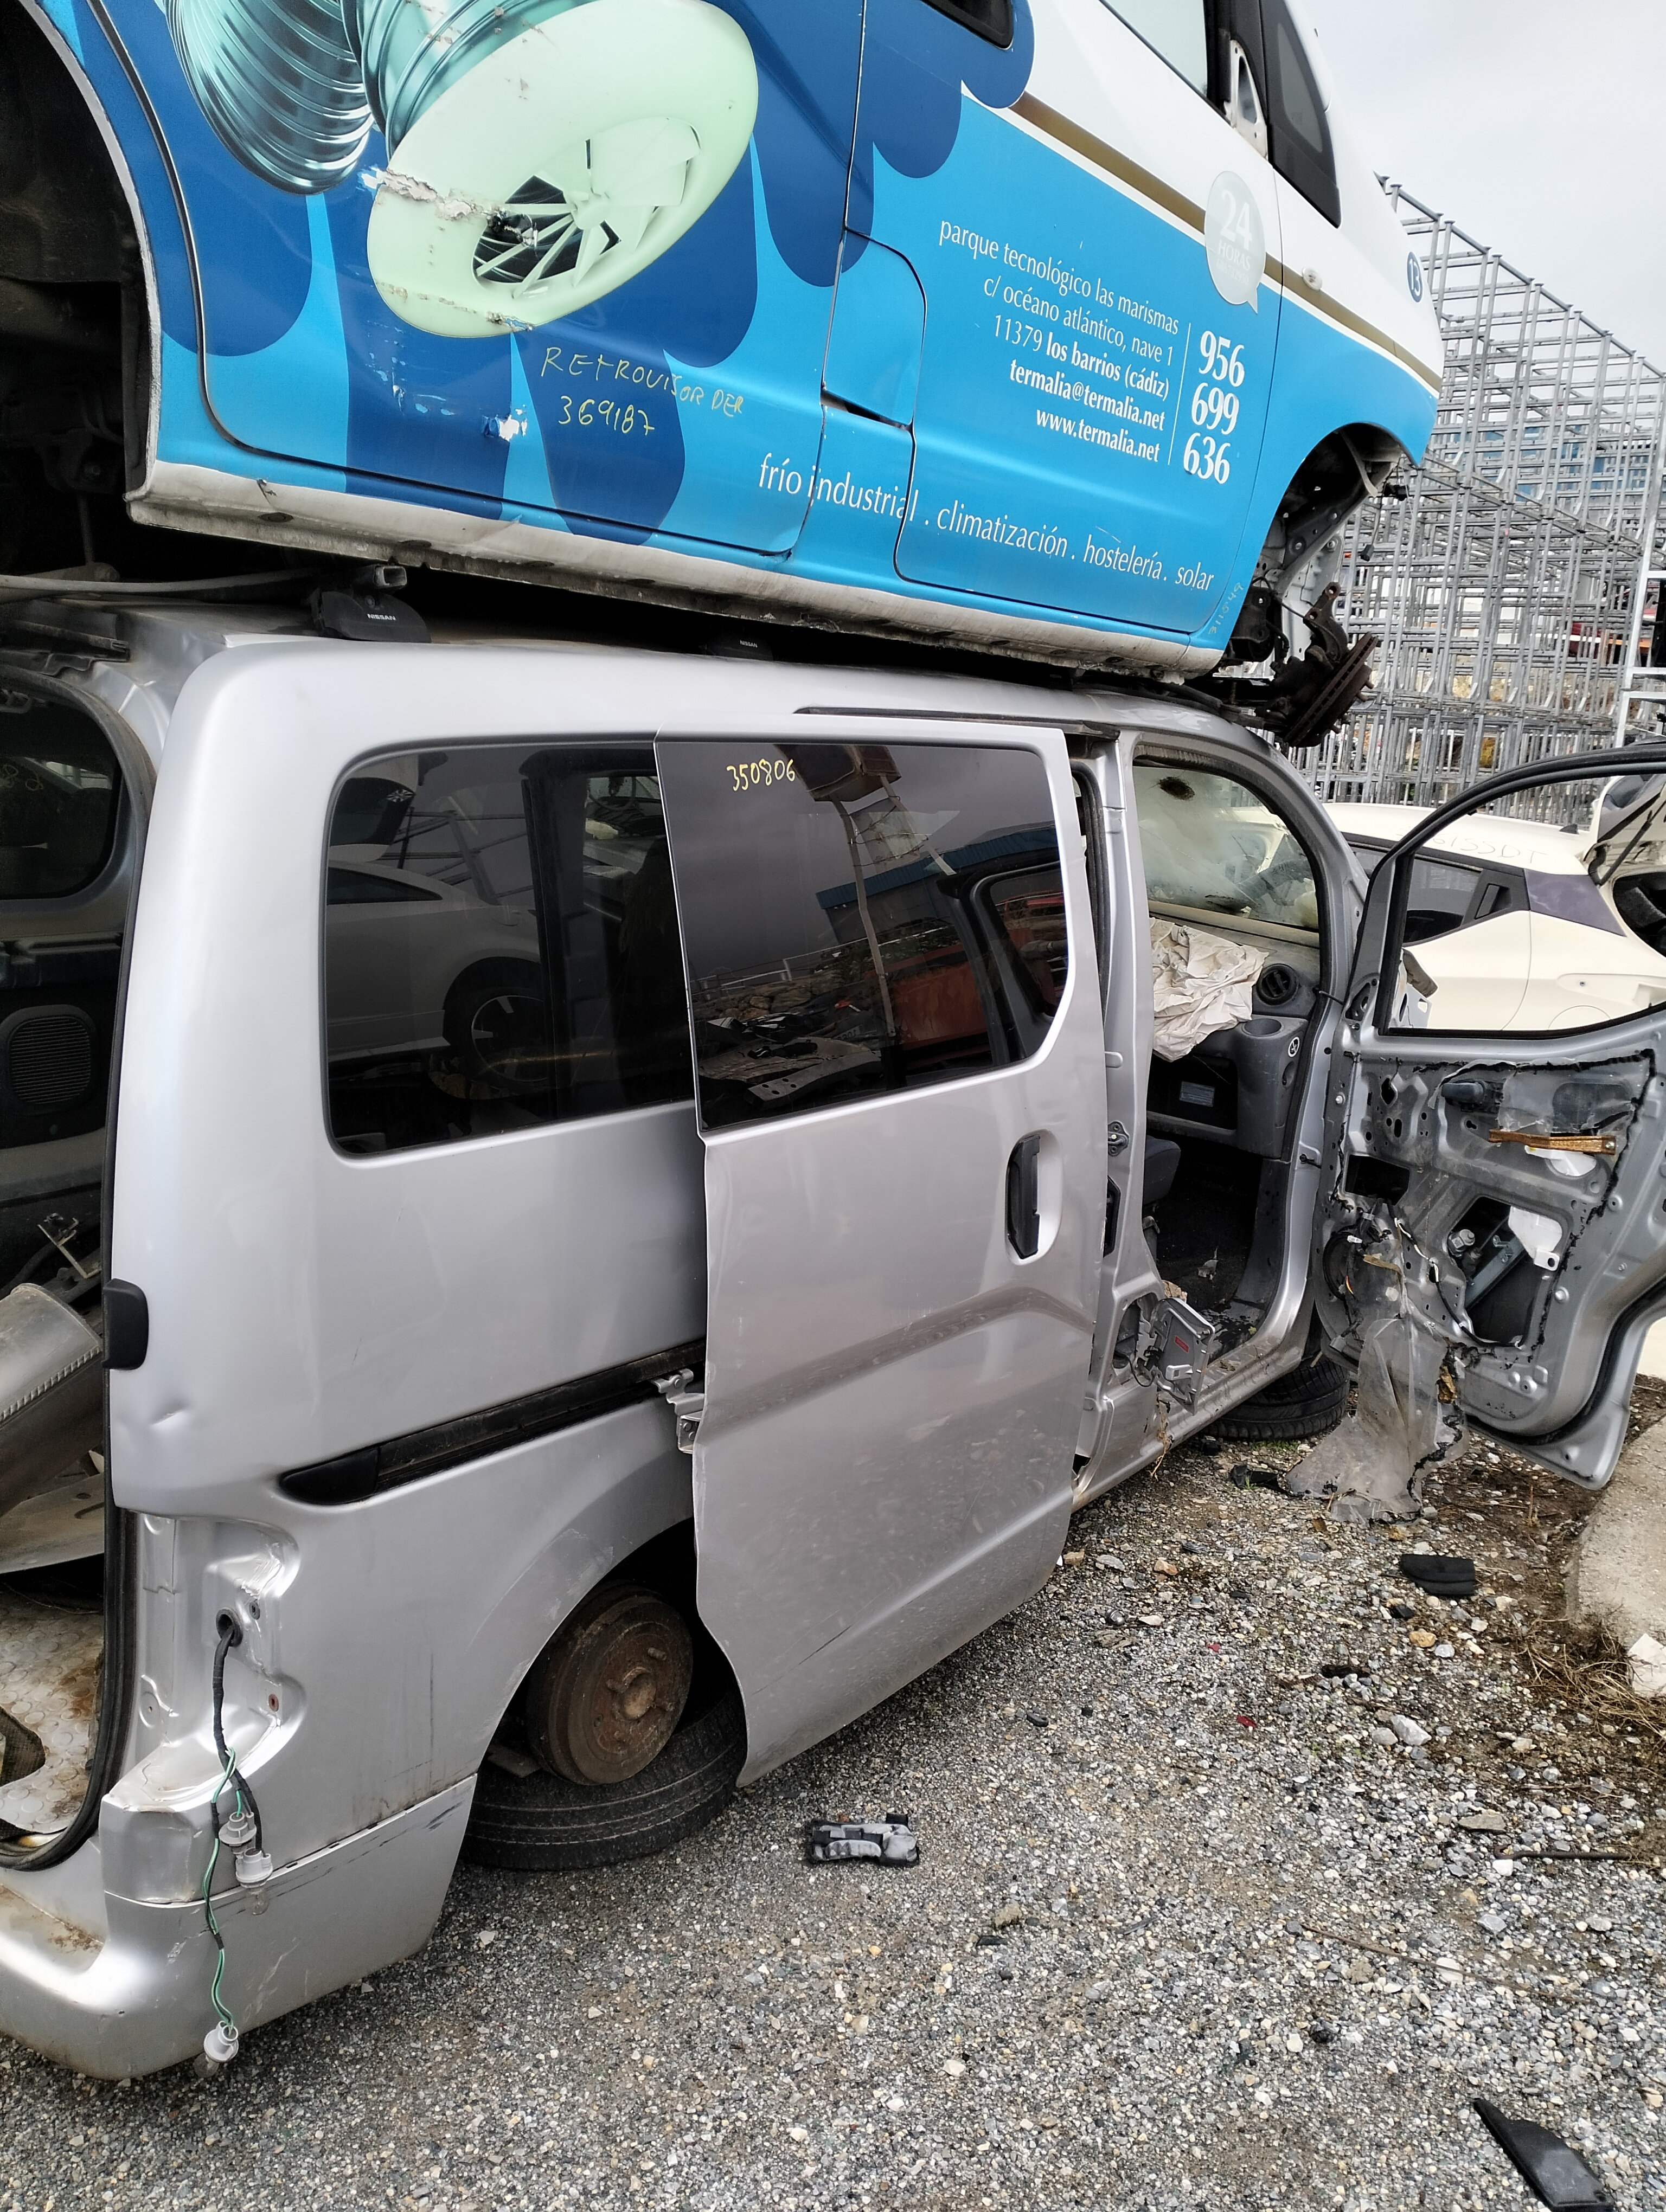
[686, 1405]
[1116, 1138]
[1184, 1341]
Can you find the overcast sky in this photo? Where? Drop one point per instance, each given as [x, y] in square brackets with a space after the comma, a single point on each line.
[1536, 124]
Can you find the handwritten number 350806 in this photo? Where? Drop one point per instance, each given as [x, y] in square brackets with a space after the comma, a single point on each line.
[754, 775]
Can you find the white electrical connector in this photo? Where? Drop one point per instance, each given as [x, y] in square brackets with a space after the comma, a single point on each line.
[253, 1867]
[220, 2045]
[238, 1829]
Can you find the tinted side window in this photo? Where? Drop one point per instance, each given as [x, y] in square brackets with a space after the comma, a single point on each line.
[1175, 29]
[1028, 911]
[500, 944]
[1439, 898]
[60, 790]
[1298, 135]
[862, 918]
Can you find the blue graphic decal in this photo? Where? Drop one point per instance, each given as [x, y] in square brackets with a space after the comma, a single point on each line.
[916, 62]
[573, 262]
[807, 61]
[299, 386]
[606, 394]
[418, 406]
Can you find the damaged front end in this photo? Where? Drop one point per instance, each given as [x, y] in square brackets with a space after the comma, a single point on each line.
[1474, 1211]
[1262, 682]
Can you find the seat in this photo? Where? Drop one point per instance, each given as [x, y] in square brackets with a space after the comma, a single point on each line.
[1162, 1165]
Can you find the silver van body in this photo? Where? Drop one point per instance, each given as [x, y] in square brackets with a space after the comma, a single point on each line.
[384, 1409]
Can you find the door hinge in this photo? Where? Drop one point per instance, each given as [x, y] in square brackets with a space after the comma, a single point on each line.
[686, 1405]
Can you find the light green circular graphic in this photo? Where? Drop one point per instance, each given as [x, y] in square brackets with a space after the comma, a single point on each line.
[1235, 241]
[560, 164]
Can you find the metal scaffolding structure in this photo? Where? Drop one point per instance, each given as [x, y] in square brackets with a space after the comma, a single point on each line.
[1514, 575]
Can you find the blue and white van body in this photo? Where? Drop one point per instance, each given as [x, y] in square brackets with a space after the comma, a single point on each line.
[973, 320]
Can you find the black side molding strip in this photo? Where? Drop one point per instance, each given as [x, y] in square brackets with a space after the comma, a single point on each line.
[375, 1468]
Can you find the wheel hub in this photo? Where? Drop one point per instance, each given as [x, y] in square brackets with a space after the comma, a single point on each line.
[605, 1698]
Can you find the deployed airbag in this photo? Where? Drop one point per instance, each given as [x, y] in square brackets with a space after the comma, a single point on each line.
[1200, 984]
[1401, 1425]
[51, 1392]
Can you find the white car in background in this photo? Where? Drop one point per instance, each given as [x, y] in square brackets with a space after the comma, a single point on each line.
[1522, 924]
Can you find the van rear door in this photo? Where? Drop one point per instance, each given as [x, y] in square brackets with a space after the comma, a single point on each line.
[900, 1072]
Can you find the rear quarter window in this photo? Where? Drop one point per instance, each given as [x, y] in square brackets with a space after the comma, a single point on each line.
[501, 946]
[61, 801]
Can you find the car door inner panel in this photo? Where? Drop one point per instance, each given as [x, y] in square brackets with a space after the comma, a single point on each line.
[1505, 1206]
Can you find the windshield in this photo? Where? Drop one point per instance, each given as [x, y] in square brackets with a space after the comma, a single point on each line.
[1212, 846]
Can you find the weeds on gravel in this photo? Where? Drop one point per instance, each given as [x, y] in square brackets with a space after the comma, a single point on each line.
[1588, 1666]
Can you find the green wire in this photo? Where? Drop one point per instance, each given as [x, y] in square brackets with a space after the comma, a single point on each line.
[226, 2020]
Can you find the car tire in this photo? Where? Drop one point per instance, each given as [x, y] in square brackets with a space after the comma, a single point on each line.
[540, 1821]
[512, 992]
[1309, 1401]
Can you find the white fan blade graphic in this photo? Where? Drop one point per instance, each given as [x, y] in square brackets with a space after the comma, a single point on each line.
[614, 184]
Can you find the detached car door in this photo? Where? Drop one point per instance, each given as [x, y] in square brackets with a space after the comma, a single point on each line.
[899, 1074]
[1498, 1152]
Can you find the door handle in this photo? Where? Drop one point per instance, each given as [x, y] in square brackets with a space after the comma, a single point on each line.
[1023, 1197]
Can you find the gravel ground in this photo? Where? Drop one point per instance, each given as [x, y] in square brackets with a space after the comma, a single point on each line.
[1185, 1932]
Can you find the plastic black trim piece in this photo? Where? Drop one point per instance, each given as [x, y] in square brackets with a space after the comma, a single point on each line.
[375, 1468]
[126, 1325]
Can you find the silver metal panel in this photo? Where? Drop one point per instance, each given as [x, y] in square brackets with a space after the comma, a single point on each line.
[137, 2000]
[323, 1301]
[389, 1637]
[883, 1463]
[303, 1303]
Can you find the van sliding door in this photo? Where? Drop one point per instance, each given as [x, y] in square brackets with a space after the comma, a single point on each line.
[899, 1074]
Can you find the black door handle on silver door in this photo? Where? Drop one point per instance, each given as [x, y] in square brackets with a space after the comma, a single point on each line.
[1023, 1197]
